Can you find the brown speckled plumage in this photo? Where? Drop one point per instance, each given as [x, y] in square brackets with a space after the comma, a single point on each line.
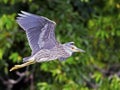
[52, 54]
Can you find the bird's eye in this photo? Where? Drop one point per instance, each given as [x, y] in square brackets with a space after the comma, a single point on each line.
[73, 48]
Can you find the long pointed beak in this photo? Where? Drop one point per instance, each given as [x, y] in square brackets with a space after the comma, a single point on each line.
[79, 50]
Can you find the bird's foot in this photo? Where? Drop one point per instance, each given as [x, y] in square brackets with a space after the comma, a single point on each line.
[16, 67]
[22, 65]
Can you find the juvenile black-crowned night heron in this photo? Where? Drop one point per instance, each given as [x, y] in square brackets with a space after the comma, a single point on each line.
[41, 38]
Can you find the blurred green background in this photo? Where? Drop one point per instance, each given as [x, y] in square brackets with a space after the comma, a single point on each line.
[94, 25]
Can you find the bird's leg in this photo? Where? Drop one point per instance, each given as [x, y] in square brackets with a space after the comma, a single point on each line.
[22, 65]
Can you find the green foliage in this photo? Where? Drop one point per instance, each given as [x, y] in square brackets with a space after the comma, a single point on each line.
[94, 25]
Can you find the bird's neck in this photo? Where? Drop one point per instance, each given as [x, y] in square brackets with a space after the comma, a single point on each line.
[67, 50]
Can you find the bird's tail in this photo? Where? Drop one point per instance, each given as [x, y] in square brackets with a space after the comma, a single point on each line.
[23, 65]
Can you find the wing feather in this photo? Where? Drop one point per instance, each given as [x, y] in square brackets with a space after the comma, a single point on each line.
[39, 31]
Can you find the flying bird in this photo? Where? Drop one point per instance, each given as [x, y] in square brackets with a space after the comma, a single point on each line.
[42, 41]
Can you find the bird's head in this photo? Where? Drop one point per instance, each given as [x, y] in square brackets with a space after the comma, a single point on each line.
[71, 48]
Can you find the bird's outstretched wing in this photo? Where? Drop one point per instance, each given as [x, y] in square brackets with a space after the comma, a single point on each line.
[39, 31]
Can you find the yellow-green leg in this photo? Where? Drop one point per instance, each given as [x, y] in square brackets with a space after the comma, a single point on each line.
[22, 65]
